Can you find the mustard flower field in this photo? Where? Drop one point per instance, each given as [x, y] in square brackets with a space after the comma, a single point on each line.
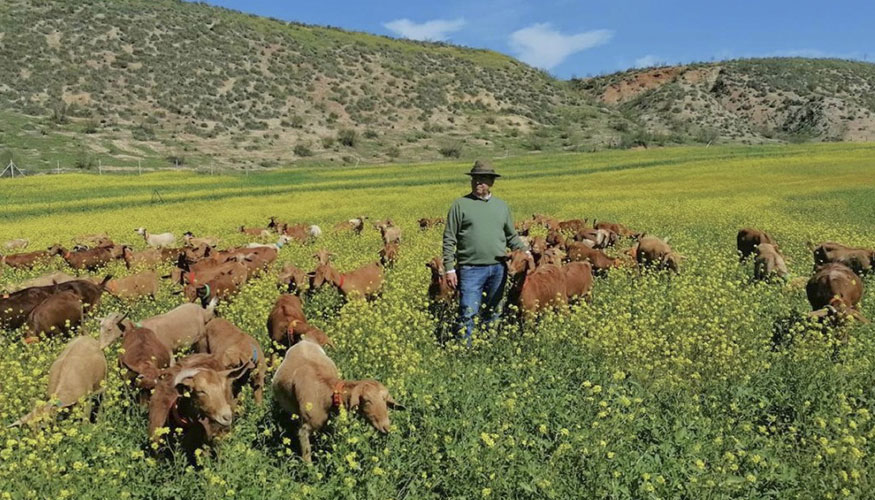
[705, 384]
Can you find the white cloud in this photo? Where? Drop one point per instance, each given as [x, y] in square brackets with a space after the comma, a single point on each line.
[434, 30]
[544, 47]
[648, 61]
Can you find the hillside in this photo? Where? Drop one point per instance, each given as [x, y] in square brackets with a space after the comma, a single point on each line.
[117, 83]
[747, 100]
[136, 77]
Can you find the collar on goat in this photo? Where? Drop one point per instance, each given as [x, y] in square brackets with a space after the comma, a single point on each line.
[337, 396]
[340, 284]
[254, 355]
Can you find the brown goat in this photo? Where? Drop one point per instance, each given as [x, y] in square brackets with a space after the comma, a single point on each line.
[547, 221]
[30, 259]
[134, 286]
[298, 232]
[196, 397]
[835, 288]
[286, 309]
[388, 254]
[425, 222]
[15, 307]
[286, 323]
[438, 290]
[292, 279]
[572, 225]
[579, 252]
[860, 260]
[222, 286]
[556, 239]
[77, 373]
[769, 262]
[58, 314]
[578, 280]
[323, 256]
[307, 385]
[254, 231]
[94, 258]
[553, 256]
[538, 245]
[534, 288]
[747, 240]
[614, 227]
[390, 234]
[656, 253]
[356, 225]
[365, 281]
[143, 356]
[235, 348]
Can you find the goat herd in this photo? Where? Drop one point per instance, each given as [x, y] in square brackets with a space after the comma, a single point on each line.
[195, 396]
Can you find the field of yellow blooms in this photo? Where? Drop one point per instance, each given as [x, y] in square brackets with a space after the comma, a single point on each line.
[702, 385]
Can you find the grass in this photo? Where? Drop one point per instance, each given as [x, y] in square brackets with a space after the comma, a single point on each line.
[661, 388]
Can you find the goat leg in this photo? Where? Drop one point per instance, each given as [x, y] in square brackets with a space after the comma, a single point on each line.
[304, 441]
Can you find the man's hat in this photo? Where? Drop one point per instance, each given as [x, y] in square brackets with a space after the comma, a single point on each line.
[482, 167]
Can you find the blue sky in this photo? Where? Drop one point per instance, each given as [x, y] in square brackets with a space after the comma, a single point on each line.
[579, 38]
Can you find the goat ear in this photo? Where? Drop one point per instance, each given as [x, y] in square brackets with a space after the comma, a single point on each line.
[857, 315]
[391, 403]
[120, 322]
[183, 379]
[355, 396]
[159, 407]
[235, 373]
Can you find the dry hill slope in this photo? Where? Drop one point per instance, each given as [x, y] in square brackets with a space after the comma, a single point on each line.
[169, 82]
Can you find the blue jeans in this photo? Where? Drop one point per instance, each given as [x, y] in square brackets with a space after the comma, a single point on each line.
[480, 291]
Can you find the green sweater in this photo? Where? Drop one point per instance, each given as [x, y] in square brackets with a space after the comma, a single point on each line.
[478, 232]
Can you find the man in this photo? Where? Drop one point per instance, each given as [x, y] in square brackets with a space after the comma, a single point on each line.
[478, 231]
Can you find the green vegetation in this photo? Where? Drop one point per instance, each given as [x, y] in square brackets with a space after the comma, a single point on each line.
[666, 387]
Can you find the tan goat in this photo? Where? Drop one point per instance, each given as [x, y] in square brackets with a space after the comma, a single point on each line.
[78, 372]
[235, 348]
[177, 329]
[307, 385]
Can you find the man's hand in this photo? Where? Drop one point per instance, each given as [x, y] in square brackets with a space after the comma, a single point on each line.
[452, 280]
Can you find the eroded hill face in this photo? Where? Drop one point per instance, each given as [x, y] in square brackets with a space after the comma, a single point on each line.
[748, 100]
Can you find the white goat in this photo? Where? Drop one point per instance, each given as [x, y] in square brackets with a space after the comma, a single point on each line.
[162, 240]
[283, 241]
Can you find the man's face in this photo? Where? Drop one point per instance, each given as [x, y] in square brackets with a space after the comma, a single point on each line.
[480, 184]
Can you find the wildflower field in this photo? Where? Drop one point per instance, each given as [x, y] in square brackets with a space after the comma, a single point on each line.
[702, 385]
